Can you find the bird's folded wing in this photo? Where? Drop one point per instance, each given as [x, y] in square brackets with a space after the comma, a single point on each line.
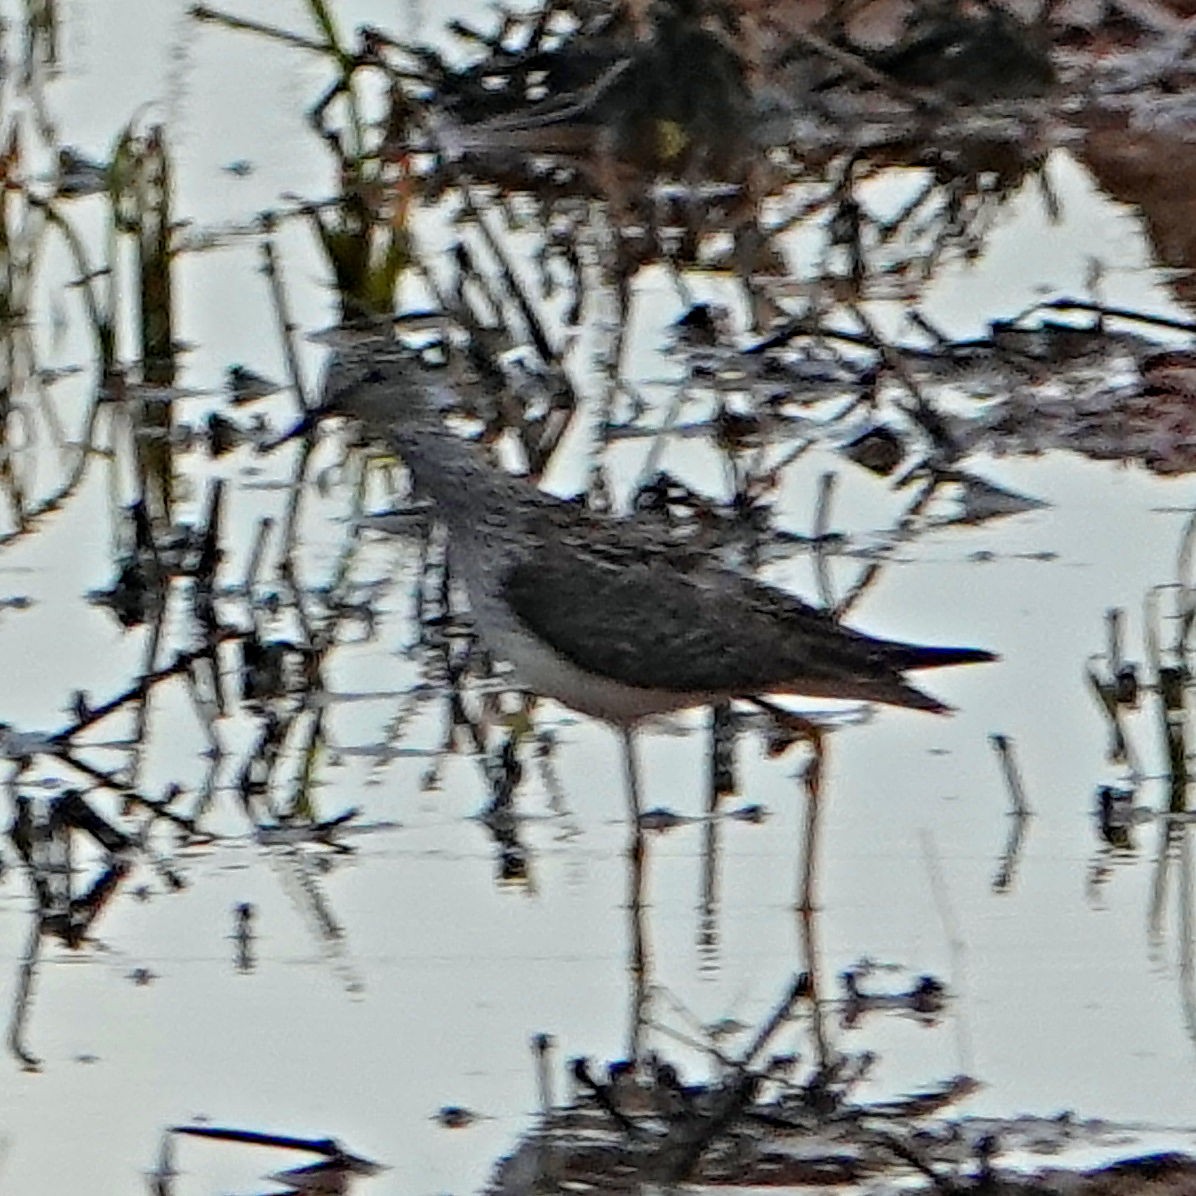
[644, 623]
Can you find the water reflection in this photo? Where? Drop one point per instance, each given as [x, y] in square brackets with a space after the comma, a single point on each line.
[336, 1172]
[1128, 694]
[526, 204]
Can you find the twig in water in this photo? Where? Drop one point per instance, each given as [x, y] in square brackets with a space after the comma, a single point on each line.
[854, 65]
[542, 1045]
[203, 12]
[923, 411]
[1113, 626]
[1187, 591]
[1003, 746]
[822, 522]
[799, 987]
[1117, 313]
[286, 325]
[256, 555]
[604, 1098]
[22, 1000]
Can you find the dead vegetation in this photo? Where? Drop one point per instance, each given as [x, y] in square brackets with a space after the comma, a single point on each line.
[576, 147]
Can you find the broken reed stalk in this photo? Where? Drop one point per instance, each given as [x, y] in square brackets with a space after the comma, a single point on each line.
[117, 783]
[514, 289]
[253, 566]
[136, 692]
[1003, 746]
[1007, 867]
[1168, 833]
[1118, 313]
[1185, 933]
[1183, 571]
[676, 1160]
[1106, 696]
[822, 523]
[1170, 684]
[366, 240]
[855, 66]
[799, 987]
[542, 1045]
[923, 412]
[23, 999]
[286, 326]
[1114, 620]
[99, 313]
[205, 12]
[871, 573]
[151, 187]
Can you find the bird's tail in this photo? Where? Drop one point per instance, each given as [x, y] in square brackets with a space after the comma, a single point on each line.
[911, 657]
[895, 690]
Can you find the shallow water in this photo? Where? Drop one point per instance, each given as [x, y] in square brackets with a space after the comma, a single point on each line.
[1066, 994]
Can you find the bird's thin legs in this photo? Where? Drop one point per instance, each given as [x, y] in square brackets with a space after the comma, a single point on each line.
[807, 907]
[721, 783]
[638, 962]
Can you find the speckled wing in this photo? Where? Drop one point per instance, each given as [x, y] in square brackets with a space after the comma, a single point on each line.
[644, 623]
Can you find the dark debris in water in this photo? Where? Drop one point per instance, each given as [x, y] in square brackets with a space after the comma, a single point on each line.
[680, 134]
[1154, 692]
[638, 1125]
[634, 105]
[336, 1170]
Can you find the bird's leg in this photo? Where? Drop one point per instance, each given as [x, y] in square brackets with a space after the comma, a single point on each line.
[722, 755]
[631, 775]
[722, 782]
[807, 909]
[636, 877]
